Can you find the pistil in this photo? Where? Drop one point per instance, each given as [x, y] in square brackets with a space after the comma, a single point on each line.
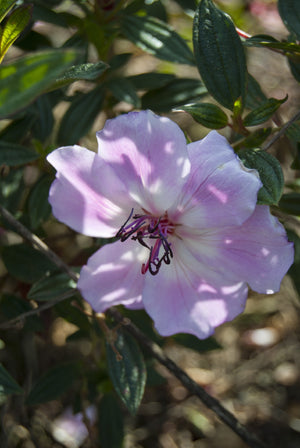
[147, 227]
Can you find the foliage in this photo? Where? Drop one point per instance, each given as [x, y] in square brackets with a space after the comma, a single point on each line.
[55, 87]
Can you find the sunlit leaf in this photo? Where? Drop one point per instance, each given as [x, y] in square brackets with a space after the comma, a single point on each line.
[13, 27]
[22, 81]
[5, 7]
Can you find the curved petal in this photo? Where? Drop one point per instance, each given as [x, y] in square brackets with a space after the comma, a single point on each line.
[86, 194]
[184, 298]
[257, 252]
[219, 191]
[113, 276]
[149, 154]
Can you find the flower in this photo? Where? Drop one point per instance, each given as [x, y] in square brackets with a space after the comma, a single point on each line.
[190, 235]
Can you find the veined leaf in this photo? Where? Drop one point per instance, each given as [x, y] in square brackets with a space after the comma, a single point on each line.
[14, 26]
[12, 154]
[8, 385]
[128, 374]
[289, 11]
[5, 7]
[157, 38]
[263, 112]
[219, 54]
[207, 114]
[270, 173]
[24, 80]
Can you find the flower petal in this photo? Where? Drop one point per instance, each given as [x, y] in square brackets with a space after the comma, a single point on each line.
[149, 154]
[258, 252]
[181, 298]
[86, 194]
[219, 191]
[113, 276]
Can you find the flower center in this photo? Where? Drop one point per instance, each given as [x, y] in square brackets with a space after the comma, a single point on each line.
[144, 228]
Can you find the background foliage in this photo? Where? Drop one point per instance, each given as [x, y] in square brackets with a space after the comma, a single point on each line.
[67, 66]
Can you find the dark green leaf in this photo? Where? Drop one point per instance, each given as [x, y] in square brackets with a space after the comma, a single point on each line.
[11, 191]
[207, 114]
[293, 131]
[177, 93]
[5, 7]
[13, 155]
[44, 14]
[123, 90]
[33, 41]
[13, 27]
[38, 206]
[153, 80]
[289, 11]
[296, 162]
[87, 71]
[12, 306]
[43, 126]
[8, 385]
[264, 112]
[255, 96]
[80, 116]
[73, 314]
[188, 6]
[119, 60]
[25, 263]
[270, 173]
[17, 130]
[22, 81]
[53, 383]
[157, 38]
[51, 286]
[255, 139]
[262, 40]
[128, 374]
[190, 341]
[295, 68]
[294, 270]
[290, 203]
[219, 54]
[110, 422]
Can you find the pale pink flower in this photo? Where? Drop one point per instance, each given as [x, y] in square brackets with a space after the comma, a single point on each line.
[190, 235]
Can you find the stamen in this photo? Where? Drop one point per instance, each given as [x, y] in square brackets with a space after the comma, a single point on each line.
[148, 226]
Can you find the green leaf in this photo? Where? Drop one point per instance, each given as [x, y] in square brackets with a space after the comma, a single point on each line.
[110, 422]
[255, 96]
[295, 268]
[80, 116]
[157, 38]
[25, 263]
[12, 306]
[293, 131]
[44, 123]
[88, 72]
[53, 383]
[51, 286]
[11, 191]
[295, 68]
[152, 80]
[39, 208]
[128, 375]
[13, 154]
[72, 314]
[255, 139]
[207, 114]
[13, 27]
[8, 385]
[5, 7]
[24, 80]
[289, 11]
[264, 112]
[190, 341]
[262, 40]
[17, 130]
[178, 92]
[290, 203]
[219, 54]
[270, 173]
[123, 90]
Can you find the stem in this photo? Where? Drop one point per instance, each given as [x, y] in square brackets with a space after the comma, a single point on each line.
[35, 241]
[211, 402]
[282, 131]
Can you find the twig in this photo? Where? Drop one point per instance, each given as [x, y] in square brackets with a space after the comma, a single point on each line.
[209, 401]
[35, 241]
[21, 317]
[281, 132]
